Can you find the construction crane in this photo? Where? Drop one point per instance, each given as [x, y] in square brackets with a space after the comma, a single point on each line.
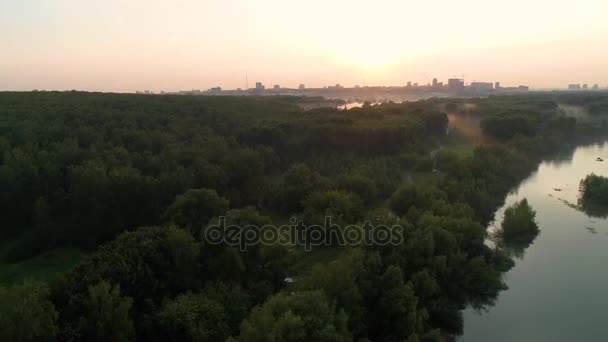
[460, 77]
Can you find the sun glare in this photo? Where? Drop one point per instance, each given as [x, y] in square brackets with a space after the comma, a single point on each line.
[374, 56]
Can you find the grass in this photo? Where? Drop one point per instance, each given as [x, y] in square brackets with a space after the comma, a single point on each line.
[462, 150]
[305, 261]
[43, 267]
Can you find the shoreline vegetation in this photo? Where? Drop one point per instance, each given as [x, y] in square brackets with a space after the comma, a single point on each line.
[135, 181]
[518, 229]
[518, 224]
[594, 195]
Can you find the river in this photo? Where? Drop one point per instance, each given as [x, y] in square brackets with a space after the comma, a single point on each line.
[558, 288]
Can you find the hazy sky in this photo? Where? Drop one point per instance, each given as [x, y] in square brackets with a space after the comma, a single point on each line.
[127, 45]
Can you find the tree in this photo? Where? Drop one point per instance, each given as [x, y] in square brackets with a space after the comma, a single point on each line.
[411, 195]
[148, 265]
[297, 183]
[358, 183]
[339, 282]
[194, 209]
[26, 314]
[211, 315]
[107, 314]
[436, 123]
[594, 190]
[519, 222]
[341, 206]
[41, 214]
[392, 313]
[297, 317]
[241, 256]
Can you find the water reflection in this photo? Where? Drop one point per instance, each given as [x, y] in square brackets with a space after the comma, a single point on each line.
[516, 248]
[592, 209]
[560, 273]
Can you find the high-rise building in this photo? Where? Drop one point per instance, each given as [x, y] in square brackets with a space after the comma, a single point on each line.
[585, 86]
[259, 86]
[574, 86]
[302, 86]
[434, 82]
[409, 84]
[481, 86]
[497, 85]
[456, 83]
[276, 87]
[596, 87]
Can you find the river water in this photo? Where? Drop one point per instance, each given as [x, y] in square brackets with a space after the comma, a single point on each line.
[558, 289]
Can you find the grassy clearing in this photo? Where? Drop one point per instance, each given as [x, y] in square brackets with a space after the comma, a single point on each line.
[43, 267]
[304, 261]
[462, 150]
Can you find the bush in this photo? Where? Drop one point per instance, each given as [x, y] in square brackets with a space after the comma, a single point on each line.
[519, 222]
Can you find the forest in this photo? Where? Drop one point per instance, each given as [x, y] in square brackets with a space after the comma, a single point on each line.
[118, 191]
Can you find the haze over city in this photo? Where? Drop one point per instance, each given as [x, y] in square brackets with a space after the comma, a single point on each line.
[172, 45]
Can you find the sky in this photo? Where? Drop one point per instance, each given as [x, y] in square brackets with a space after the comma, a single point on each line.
[118, 45]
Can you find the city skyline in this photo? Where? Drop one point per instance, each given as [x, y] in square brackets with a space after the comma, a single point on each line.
[186, 44]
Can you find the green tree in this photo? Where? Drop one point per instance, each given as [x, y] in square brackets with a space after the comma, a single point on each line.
[594, 195]
[42, 214]
[300, 316]
[107, 314]
[212, 315]
[341, 206]
[194, 209]
[519, 222]
[241, 256]
[411, 195]
[297, 183]
[26, 314]
[358, 183]
[392, 314]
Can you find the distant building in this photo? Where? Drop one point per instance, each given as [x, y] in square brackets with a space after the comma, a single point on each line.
[259, 86]
[409, 84]
[455, 83]
[435, 82]
[596, 87]
[302, 86]
[357, 86]
[416, 85]
[523, 88]
[276, 87]
[585, 87]
[482, 86]
[215, 90]
[574, 87]
[497, 85]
